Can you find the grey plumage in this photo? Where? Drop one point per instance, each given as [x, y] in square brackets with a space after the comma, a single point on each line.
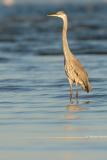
[73, 68]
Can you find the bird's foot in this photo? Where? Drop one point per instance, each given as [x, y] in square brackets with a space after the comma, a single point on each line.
[71, 100]
[77, 101]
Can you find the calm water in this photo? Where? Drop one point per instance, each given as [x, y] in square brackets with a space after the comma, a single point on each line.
[36, 120]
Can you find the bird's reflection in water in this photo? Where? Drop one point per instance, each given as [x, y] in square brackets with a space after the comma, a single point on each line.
[68, 156]
[71, 116]
[75, 108]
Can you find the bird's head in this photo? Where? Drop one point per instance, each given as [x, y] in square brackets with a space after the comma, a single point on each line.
[59, 14]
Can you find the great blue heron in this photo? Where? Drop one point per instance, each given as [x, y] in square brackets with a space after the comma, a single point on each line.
[73, 68]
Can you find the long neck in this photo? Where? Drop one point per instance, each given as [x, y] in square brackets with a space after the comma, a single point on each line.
[64, 39]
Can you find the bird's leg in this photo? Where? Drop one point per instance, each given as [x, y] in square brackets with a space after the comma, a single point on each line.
[70, 93]
[77, 91]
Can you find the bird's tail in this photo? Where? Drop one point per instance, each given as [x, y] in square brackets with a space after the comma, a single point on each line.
[88, 88]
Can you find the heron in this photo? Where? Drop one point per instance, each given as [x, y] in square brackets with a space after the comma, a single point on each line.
[74, 70]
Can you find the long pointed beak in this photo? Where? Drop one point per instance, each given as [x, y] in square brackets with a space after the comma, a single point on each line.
[54, 15]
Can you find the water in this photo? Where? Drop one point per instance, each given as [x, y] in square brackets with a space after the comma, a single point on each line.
[36, 119]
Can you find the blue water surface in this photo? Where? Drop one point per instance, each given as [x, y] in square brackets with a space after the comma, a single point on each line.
[37, 121]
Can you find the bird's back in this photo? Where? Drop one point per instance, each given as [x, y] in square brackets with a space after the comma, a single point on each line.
[76, 73]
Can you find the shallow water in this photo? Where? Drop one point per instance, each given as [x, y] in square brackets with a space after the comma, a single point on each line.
[36, 118]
